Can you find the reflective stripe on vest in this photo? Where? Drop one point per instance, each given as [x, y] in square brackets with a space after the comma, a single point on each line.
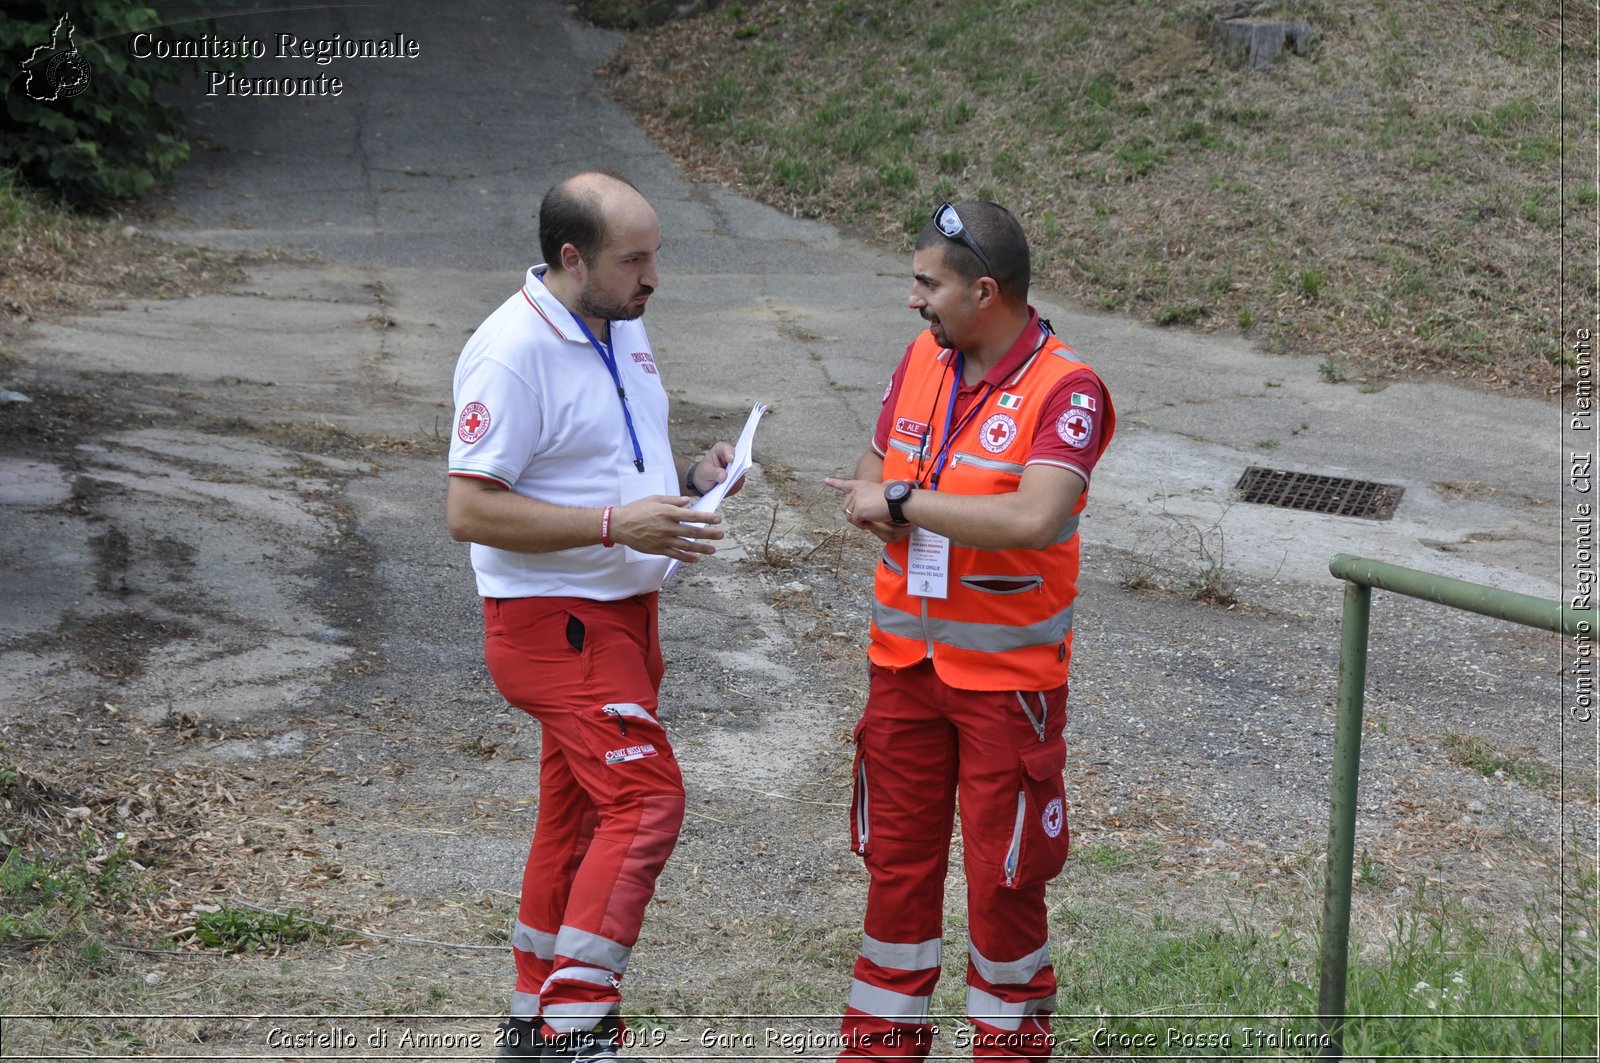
[966, 635]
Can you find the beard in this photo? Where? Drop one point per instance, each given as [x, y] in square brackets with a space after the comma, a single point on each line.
[593, 304]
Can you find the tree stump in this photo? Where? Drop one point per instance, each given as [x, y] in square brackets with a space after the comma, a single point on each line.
[1244, 34]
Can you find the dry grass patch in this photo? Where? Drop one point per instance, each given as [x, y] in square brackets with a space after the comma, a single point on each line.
[55, 261]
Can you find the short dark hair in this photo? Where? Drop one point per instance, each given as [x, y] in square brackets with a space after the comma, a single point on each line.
[998, 232]
[570, 213]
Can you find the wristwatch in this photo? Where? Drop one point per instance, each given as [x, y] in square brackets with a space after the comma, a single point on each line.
[895, 494]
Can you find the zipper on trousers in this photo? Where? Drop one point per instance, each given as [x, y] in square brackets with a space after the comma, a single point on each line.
[616, 714]
[861, 806]
[1014, 854]
[1037, 721]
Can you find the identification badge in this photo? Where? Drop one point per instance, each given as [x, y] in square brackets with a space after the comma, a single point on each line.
[633, 485]
[928, 565]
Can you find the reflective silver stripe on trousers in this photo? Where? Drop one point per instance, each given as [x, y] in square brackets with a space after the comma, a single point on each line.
[1068, 530]
[592, 975]
[964, 635]
[570, 1018]
[886, 1004]
[625, 708]
[592, 948]
[526, 939]
[524, 1005]
[1004, 1014]
[902, 956]
[1011, 972]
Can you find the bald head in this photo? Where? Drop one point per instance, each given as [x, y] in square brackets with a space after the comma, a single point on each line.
[584, 211]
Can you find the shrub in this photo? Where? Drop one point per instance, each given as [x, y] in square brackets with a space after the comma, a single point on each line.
[106, 135]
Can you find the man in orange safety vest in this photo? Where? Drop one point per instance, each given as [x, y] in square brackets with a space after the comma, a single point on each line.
[975, 482]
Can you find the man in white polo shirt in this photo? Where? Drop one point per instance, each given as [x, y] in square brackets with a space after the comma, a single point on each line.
[563, 480]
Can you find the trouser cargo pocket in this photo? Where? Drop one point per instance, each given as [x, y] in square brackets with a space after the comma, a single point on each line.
[1038, 847]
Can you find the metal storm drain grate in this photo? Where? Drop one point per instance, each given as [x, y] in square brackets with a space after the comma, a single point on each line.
[1319, 494]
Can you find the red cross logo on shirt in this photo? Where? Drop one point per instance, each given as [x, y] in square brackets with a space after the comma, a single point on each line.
[997, 433]
[473, 422]
[1074, 427]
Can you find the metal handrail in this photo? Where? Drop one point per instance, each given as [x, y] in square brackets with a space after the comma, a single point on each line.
[1361, 575]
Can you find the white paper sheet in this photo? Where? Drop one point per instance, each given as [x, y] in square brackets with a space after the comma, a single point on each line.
[712, 499]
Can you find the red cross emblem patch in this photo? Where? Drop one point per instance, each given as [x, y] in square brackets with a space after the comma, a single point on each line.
[997, 433]
[1074, 427]
[473, 422]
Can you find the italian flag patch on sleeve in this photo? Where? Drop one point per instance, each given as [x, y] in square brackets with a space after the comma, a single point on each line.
[1083, 401]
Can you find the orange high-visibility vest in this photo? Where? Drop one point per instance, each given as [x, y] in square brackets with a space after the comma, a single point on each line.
[1007, 622]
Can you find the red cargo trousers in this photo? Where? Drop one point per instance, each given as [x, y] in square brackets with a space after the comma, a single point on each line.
[610, 794]
[920, 742]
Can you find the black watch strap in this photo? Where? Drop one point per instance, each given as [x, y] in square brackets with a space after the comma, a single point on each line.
[895, 496]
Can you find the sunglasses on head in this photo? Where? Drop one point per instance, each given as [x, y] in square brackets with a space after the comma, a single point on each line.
[950, 223]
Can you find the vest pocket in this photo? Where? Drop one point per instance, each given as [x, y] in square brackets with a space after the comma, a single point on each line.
[1003, 584]
[1039, 836]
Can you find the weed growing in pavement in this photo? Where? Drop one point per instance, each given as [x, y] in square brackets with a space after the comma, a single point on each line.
[1186, 552]
[1481, 755]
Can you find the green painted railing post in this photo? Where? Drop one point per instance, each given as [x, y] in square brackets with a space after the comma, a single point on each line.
[1361, 575]
[1342, 818]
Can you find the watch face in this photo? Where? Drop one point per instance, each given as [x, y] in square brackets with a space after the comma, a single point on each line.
[897, 491]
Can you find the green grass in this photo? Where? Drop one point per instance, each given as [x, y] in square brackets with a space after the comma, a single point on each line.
[236, 929]
[1440, 983]
[1482, 756]
[1118, 142]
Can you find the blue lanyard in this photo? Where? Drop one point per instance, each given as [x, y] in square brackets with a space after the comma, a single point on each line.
[972, 411]
[610, 359]
[949, 415]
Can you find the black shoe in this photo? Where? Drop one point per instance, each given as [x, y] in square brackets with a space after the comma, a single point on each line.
[584, 1046]
[519, 1039]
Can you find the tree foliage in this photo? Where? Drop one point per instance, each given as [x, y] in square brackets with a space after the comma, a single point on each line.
[82, 116]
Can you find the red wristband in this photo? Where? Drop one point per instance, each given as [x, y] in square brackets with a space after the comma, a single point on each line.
[605, 527]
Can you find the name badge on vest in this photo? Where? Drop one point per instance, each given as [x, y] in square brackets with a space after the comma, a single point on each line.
[633, 485]
[928, 565]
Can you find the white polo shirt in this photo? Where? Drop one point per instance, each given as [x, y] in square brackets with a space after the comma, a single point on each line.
[537, 412]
